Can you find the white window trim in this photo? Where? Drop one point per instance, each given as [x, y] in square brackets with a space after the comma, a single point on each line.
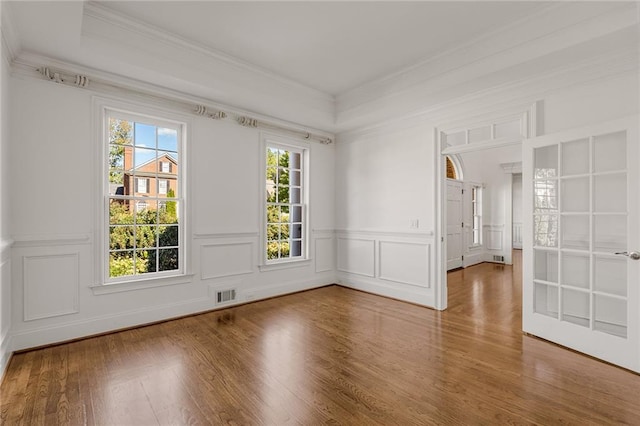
[149, 114]
[479, 190]
[267, 139]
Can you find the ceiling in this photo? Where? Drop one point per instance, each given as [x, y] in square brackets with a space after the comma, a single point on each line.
[329, 65]
[329, 46]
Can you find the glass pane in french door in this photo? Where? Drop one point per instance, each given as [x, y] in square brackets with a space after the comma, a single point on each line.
[580, 221]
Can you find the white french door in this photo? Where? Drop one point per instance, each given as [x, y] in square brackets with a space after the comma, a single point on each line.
[454, 224]
[581, 281]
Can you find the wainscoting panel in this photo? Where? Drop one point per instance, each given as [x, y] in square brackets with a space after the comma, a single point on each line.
[405, 262]
[226, 259]
[51, 284]
[356, 256]
[324, 254]
[493, 236]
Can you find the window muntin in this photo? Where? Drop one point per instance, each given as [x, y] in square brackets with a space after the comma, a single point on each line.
[285, 224]
[143, 225]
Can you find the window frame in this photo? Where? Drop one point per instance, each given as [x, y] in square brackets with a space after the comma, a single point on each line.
[476, 212]
[304, 149]
[104, 109]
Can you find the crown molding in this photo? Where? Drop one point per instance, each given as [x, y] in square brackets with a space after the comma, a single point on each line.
[485, 40]
[498, 99]
[158, 35]
[550, 31]
[30, 65]
[10, 41]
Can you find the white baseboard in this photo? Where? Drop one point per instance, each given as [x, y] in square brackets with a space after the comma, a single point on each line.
[25, 339]
[415, 295]
[258, 293]
[84, 328]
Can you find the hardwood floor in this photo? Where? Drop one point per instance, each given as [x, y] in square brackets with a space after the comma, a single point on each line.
[326, 356]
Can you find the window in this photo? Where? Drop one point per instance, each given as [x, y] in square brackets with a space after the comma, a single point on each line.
[285, 221]
[476, 212]
[162, 186]
[143, 227]
[142, 186]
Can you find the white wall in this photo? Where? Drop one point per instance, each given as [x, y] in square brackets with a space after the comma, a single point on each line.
[5, 261]
[384, 213]
[485, 167]
[386, 176]
[53, 211]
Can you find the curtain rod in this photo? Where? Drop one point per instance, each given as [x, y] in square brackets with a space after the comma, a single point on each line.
[82, 81]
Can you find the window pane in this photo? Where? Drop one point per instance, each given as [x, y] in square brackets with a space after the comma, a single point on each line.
[143, 160]
[284, 214]
[295, 195]
[120, 212]
[283, 158]
[272, 195]
[121, 264]
[283, 177]
[296, 230]
[146, 212]
[146, 261]
[545, 229]
[283, 194]
[145, 135]
[296, 160]
[168, 139]
[273, 232]
[168, 236]
[610, 152]
[284, 249]
[168, 260]
[273, 250]
[296, 248]
[146, 236]
[545, 162]
[168, 212]
[545, 197]
[116, 156]
[273, 214]
[575, 157]
[120, 132]
[116, 183]
[296, 214]
[121, 237]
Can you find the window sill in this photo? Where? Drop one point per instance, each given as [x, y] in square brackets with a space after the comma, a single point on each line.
[285, 265]
[119, 287]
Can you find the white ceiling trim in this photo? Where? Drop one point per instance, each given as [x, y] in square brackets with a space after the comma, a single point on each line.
[31, 65]
[506, 47]
[99, 12]
[478, 44]
[10, 41]
[500, 99]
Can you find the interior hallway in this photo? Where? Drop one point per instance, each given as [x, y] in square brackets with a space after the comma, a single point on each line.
[330, 355]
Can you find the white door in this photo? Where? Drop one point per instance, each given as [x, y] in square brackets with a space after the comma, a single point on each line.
[581, 240]
[454, 224]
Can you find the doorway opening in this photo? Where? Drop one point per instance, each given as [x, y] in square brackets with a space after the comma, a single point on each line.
[476, 143]
[480, 210]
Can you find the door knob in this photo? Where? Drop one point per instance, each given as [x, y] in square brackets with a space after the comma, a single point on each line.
[634, 255]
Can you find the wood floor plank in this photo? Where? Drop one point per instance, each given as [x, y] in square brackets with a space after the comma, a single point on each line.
[327, 356]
